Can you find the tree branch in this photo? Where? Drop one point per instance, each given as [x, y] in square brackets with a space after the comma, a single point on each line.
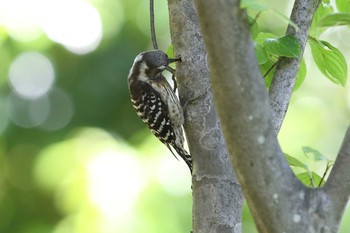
[217, 198]
[287, 68]
[244, 110]
[277, 200]
[338, 184]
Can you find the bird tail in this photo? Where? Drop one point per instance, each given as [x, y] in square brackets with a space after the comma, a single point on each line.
[185, 156]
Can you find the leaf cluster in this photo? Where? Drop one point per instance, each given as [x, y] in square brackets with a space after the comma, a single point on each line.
[330, 61]
[270, 47]
[307, 177]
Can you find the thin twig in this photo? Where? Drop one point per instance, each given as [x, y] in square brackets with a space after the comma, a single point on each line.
[271, 68]
[153, 30]
[312, 180]
[324, 174]
[255, 18]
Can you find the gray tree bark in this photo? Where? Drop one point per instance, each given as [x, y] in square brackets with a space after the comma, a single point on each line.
[277, 200]
[287, 68]
[217, 197]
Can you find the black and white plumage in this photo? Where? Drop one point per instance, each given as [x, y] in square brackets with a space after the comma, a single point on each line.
[155, 101]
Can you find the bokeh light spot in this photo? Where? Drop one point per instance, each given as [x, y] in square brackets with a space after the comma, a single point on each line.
[106, 192]
[74, 24]
[31, 75]
[61, 110]
[96, 179]
[17, 17]
[112, 16]
[49, 112]
[39, 110]
[17, 109]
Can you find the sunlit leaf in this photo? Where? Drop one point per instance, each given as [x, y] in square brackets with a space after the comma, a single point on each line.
[330, 61]
[264, 68]
[335, 19]
[301, 75]
[310, 179]
[271, 58]
[262, 36]
[292, 161]
[316, 155]
[254, 28]
[323, 10]
[261, 54]
[286, 46]
[343, 5]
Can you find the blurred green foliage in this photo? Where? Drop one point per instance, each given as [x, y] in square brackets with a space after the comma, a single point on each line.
[76, 158]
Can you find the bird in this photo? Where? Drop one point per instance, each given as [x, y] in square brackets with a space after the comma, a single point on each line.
[155, 101]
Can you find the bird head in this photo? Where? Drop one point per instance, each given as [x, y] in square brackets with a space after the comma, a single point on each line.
[149, 64]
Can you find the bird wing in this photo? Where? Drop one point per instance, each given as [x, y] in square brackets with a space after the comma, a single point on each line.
[154, 112]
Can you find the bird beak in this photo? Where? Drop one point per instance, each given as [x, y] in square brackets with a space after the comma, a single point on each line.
[170, 60]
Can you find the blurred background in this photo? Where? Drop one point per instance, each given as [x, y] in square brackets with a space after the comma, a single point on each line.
[74, 156]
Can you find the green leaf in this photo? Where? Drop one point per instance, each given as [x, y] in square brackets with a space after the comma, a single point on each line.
[254, 5]
[335, 19]
[301, 75]
[343, 5]
[323, 10]
[271, 59]
[262, 36]
[286, 46]
[275, 47]
[254, 27]
[330, 61]
[316, 155]
[294, 162]
[310, 179]
[265, 67]
[261, 54]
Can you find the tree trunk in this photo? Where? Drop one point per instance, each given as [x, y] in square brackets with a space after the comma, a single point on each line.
[217, 197]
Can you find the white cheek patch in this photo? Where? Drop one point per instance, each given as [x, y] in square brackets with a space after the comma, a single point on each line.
[138, 58]
[142, 75]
